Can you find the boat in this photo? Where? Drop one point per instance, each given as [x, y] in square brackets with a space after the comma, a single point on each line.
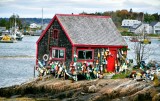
[134, 39]
[10, 41]
[146, 41]
[36, 33]
[19, 36]
[15, 32]
[7, 39]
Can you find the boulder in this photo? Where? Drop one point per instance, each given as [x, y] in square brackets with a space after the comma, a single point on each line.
[92, 89]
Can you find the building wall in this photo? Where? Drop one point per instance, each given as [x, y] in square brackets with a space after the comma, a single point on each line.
[110, 59]
[43, 46]
[129, 23]
[46, 43]
[156, 28]
[143, 28]
[62, 41]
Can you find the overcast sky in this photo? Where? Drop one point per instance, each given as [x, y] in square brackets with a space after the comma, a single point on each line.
[33, 8]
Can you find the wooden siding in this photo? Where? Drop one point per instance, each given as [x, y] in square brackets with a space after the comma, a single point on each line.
[45, 45]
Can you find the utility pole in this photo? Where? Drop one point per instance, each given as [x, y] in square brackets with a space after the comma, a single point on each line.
[42, 18]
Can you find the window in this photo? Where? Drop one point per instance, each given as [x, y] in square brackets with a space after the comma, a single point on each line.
[85, 54]
[58, 53]
[55, 34]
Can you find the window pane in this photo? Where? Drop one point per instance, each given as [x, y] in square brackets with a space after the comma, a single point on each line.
[61, 53]
[81, 55]
[85, 54]
[56, 54]
[53, 53]
[55, 34]
[88, 54]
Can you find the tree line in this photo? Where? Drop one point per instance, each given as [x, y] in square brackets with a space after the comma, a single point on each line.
[22, 23]
[118, 15]
[9, 23]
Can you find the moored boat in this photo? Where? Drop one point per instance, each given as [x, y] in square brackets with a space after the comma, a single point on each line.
[7, 39]
[10, 41]
[134, 39]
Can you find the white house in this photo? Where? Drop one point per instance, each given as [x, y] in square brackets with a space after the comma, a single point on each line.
[127, 23]
[34, 25]
[2, 29]
[136, 26]
[155, 27]
[142, 28]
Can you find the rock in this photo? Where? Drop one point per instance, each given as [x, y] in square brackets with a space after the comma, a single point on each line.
[156, 97]
[92, 89]
[156, 81]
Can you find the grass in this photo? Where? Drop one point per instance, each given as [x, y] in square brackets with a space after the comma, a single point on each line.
[121, 29]
[19, 99]
[127, 34]
[120, 75]
[154, 35]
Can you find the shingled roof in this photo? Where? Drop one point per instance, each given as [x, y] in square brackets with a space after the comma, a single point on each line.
[91, 30]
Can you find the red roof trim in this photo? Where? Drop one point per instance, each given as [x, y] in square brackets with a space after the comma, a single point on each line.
[36, 54]
[44, 32]
[99, 46]
[83, 15]
[55, 17]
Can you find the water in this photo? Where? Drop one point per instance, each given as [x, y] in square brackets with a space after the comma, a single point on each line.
[18, 59]
[152, 50]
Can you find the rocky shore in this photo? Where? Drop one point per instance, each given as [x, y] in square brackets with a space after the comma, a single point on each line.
[51, 89]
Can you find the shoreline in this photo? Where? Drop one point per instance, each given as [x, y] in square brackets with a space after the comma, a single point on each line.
[49, 88]
[148, 36]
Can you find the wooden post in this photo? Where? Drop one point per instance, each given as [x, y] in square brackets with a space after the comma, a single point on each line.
[34, 71]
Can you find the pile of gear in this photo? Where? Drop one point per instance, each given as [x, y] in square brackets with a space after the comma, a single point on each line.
[75, 71]
[146, 72]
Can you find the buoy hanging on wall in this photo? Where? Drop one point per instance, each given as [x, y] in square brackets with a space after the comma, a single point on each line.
[45, 57]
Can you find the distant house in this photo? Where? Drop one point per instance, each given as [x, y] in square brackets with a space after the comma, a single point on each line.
[137, 27]
[140, 28]
[86, 36]
[155, 27]
[34, 26]
[2, 29]
[128, 23]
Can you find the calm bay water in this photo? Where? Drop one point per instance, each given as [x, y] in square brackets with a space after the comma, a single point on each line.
[18, 59]
[152, 51]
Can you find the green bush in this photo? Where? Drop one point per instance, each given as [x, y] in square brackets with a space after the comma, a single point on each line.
[120, 75]
[124, 33]
[153, 35]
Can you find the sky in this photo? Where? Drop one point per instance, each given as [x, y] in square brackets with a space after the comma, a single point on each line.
[33, 8]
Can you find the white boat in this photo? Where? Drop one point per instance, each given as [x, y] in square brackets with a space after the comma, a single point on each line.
[36, 33]
[15, 33]
[19, 36]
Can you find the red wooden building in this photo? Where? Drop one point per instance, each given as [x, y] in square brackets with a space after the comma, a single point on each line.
[87, 36]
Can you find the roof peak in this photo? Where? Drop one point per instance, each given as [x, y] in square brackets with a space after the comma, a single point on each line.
[83, 15]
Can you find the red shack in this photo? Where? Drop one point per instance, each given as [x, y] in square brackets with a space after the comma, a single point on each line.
[92, 38]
